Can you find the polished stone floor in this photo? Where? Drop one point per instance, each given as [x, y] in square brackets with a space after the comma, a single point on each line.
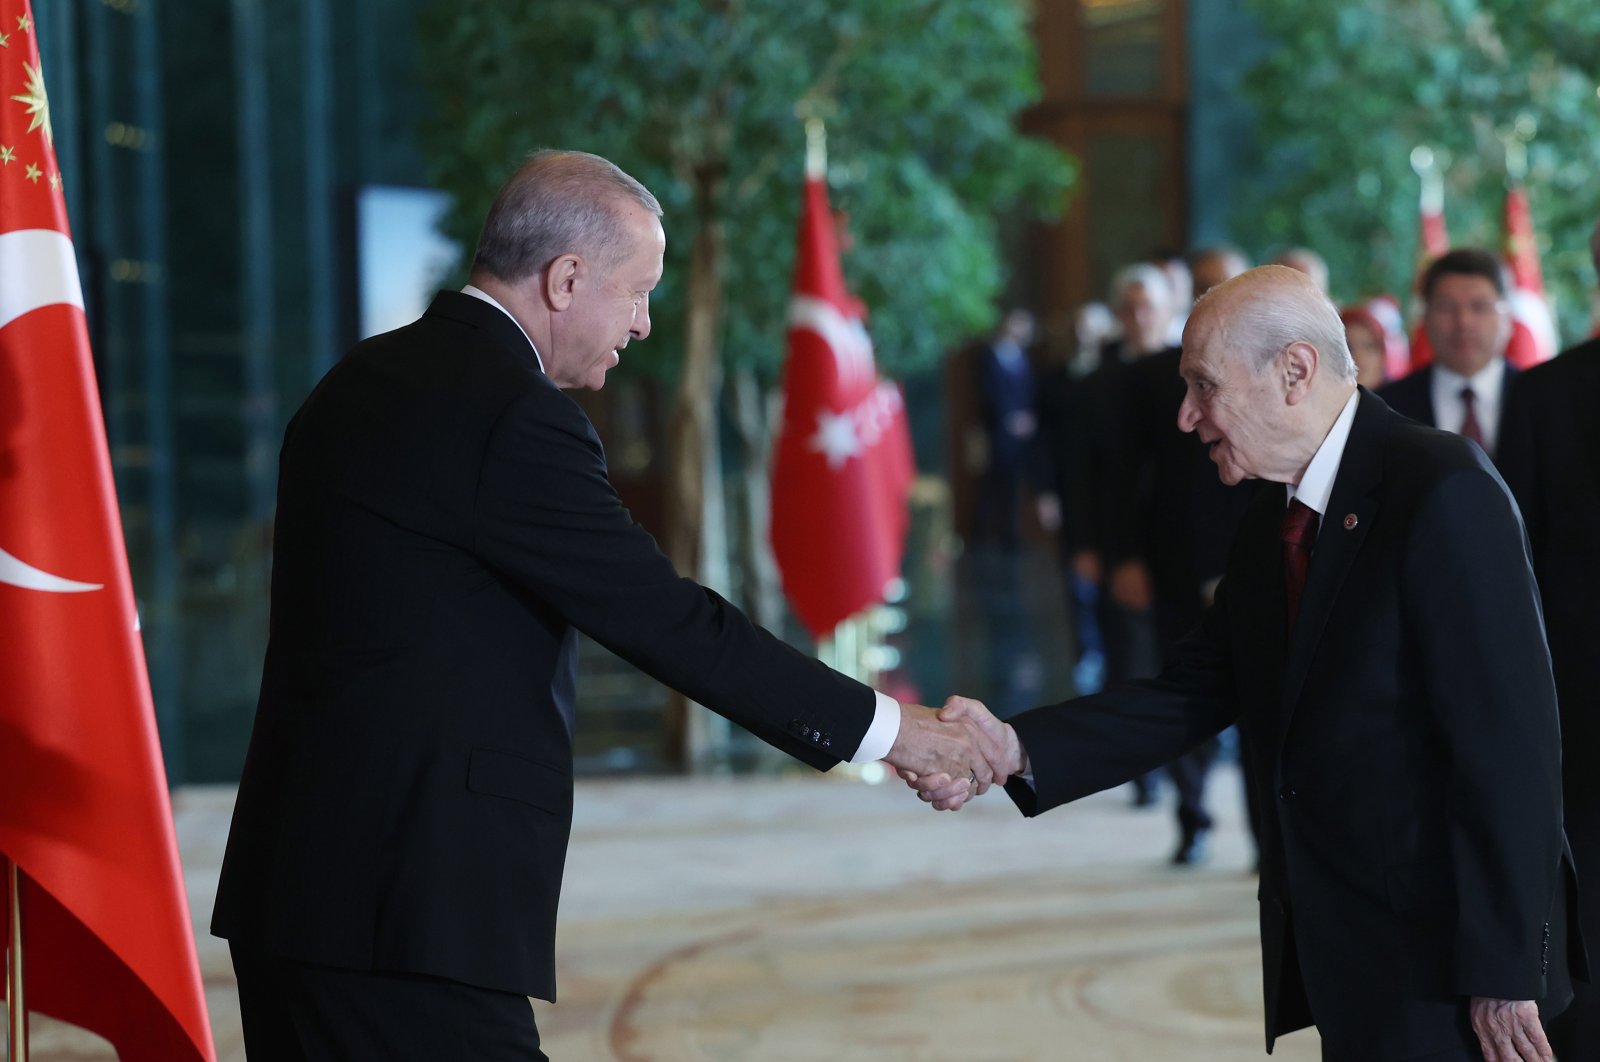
[820, 917]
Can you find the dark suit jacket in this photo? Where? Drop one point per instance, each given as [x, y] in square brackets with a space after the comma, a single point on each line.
[1405, 733]
[445, 527]
[1412, 395]
[1177, 516]
[1550, 456]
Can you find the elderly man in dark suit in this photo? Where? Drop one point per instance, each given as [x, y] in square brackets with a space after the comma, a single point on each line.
[1377, 632]
[445, 527]
[1550, 456]
[1469, 324]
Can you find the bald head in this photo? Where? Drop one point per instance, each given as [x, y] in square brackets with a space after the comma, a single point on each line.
[1265, 309]
[1267, 371]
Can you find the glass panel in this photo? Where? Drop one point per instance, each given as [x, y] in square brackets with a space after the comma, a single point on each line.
[1124, 47]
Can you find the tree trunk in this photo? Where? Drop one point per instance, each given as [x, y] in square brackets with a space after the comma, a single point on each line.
[694, 512]
[760, 590]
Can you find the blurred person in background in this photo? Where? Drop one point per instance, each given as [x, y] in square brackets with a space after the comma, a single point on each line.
[1468, 322]
[1064, 419]
[1306, 261]
[1368, 345]
[1010, 424]
[1141, 298]
[1211, 264]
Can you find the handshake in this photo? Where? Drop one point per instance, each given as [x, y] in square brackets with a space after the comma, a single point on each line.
[956, 753]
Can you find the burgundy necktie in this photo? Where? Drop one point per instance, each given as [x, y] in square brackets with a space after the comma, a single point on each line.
[1299, 535]
[1469, 421]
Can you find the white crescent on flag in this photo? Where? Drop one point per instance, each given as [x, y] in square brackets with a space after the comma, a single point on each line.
[37, 269]
[15, 572]
[852, 350]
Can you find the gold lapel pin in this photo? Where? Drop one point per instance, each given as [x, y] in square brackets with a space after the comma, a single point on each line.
[1350, 522]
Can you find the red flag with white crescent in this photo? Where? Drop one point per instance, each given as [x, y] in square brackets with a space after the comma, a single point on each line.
[84, 813]
[842, 465]
[1533, 333]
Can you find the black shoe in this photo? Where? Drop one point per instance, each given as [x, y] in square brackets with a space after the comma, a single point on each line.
[1194, 849]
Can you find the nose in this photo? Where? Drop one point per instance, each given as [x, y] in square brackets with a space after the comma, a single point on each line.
[641, 320]
[1188, 414]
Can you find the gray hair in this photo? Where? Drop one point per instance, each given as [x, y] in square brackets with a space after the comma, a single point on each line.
[559, 202]
[1264, 325]
[1144, 275]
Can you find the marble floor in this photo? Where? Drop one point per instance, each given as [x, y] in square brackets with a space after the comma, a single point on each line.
[821, 917]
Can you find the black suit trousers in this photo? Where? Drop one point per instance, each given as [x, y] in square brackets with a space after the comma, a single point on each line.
[304, 1012]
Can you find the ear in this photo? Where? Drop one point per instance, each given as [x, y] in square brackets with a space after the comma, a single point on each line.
[1298, 363]
[561, 280]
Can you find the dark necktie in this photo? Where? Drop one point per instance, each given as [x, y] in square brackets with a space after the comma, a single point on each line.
[1299, 535]
[1469, 421]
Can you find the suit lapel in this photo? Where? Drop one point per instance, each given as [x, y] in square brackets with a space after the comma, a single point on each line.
[1344, 527]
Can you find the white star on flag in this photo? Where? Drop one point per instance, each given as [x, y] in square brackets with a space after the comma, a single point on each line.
[836, 438]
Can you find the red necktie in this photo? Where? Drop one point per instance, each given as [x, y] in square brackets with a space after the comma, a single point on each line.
[1469, 421]
[1299, 535]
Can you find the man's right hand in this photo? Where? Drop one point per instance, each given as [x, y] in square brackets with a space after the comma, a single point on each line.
[947, 792]
[930, 745]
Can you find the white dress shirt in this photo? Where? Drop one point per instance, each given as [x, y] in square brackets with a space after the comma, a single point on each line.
[885, 726]
[1488, 386]
[1316, 485]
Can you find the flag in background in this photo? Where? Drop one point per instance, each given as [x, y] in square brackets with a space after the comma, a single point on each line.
[84, 813]
[1433, 240]
[842, 468]
[1533, 329]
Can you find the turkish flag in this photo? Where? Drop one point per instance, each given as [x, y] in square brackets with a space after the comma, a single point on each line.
[1433, 240]
[842, 467]
[1533, 332]
[84, 814]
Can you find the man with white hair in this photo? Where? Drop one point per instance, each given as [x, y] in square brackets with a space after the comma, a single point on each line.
[1378, 634]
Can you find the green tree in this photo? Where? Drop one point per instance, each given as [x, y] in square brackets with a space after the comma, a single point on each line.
[1351, 88]
[701, 100]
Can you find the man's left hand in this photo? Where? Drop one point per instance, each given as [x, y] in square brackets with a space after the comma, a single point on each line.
[1509, 1030]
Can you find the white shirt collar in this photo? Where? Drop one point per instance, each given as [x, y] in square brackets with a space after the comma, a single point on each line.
[1316, 486]
[1485, 382]
[479, 293]
[1488, 387]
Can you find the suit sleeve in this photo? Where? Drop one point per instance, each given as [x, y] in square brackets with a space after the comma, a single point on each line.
[1517, 455]
[1092, 743]
[547, 517]
[1474, 610]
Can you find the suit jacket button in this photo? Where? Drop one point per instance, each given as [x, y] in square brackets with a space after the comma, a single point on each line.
[1286, 793]
[827, 742]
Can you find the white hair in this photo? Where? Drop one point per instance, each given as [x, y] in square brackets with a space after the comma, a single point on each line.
[1144, 275]
[1293, 313]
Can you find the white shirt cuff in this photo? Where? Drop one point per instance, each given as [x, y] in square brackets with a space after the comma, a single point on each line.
[881, 734]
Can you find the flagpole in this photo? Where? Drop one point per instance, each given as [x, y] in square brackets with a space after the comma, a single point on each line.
[16, 1005]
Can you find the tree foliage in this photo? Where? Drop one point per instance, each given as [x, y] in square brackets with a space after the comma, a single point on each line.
[1349, 90]
[698, 98]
